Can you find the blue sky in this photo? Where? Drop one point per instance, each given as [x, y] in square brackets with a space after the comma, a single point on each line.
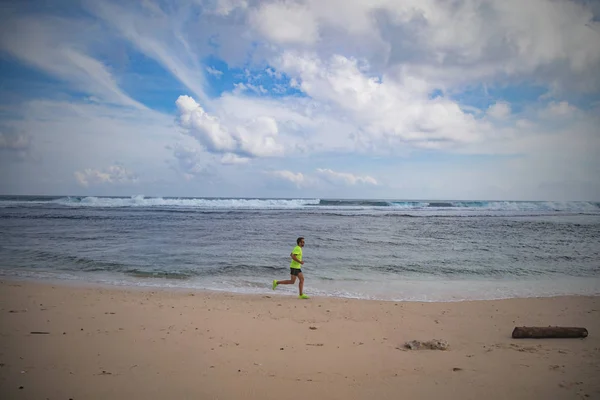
[384, 99]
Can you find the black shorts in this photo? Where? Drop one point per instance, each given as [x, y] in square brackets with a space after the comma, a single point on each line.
[295, 271]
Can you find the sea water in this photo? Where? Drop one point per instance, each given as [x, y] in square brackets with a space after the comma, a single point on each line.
[374, 249]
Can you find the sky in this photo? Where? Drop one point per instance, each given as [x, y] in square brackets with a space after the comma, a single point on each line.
[383, 99]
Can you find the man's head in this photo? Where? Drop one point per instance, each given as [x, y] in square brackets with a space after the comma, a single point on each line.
[300, 241]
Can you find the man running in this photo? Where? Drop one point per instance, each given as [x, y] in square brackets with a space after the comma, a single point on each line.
[295, 269]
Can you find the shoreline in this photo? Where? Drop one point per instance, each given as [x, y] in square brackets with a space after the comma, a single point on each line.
[417, 289]
[84, 284]
[115, 342]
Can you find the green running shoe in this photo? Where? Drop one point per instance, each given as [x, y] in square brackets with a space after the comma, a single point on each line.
[303, 296]
[274, 284]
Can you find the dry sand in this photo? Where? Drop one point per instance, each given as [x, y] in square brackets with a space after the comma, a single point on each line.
[116, 343]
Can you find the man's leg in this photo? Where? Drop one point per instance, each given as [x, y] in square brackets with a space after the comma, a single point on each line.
[301, 286]
[290, 281]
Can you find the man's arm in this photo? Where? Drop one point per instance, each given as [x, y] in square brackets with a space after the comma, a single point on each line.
[296, 259]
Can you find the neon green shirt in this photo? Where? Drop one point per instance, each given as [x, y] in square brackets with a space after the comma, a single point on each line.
[298, 252]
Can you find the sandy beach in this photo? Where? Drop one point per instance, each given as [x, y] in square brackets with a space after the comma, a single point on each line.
[121, 343]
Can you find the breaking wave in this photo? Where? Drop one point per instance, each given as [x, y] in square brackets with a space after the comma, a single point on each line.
[258, 204]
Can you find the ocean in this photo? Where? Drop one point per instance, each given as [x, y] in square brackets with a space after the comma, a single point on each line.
[369, 249]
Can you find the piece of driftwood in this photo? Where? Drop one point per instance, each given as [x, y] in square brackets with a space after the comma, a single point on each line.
[541, 332]
[39, 333]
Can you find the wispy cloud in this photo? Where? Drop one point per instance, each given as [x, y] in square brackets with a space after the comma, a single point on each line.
[214, 71]
[298, 179]
[157, 34]
[241, 87]
[113, 174]
[345, 178]
[44, 43]
[322, 175]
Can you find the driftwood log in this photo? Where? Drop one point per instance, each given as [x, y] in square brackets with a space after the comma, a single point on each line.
[540, 332]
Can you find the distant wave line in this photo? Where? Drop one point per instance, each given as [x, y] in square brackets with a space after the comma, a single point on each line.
[275, 203]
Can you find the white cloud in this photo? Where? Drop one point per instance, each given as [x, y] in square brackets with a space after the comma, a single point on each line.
[285, 22]
[223, 7]
[305, 126]
[206, 128]
[214, 71]
[114, 174]
[14, 142]
[257, 137]
[242, 87]
[189, 161]
[322, 178]
[298, 179]
[447, 44]
[345, 177]
[499, 110]
[386, 112]
[524, 124]
[559, 109]
[273, 74]
[547, 40]
[232, 159]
